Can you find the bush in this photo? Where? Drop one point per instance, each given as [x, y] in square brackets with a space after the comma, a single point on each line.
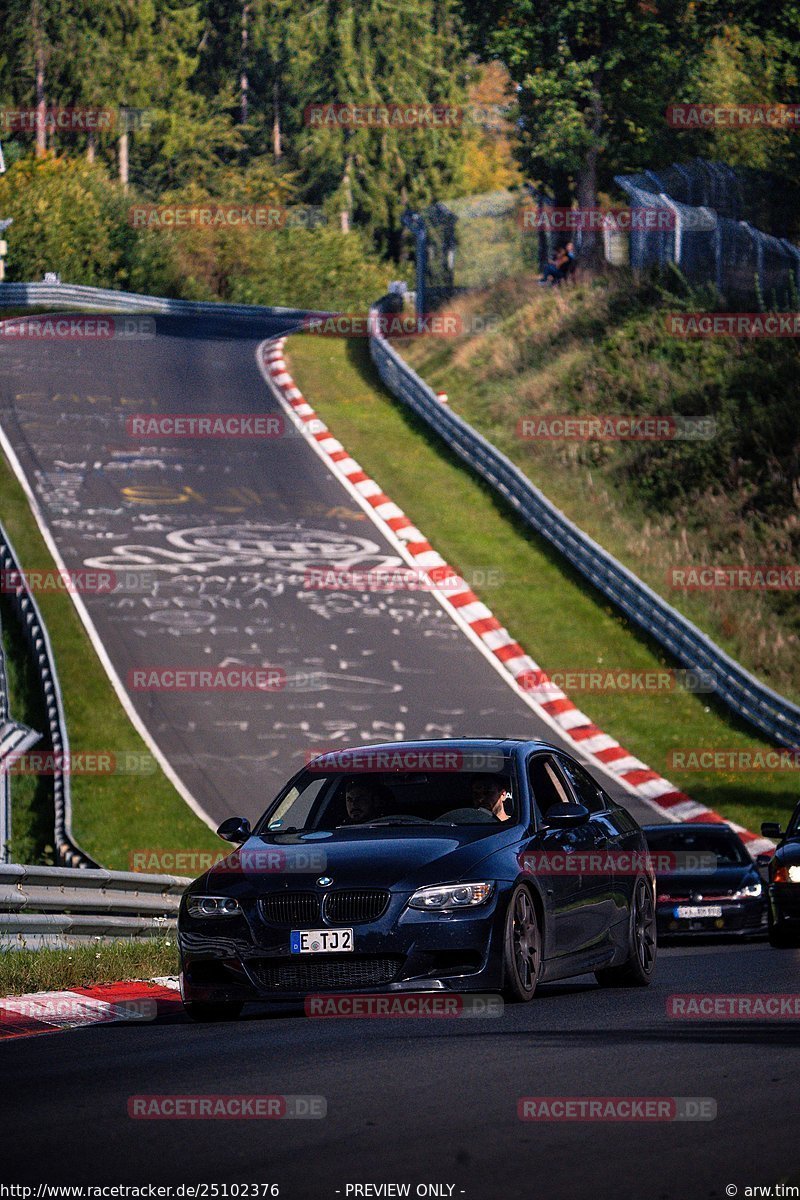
[68, 217]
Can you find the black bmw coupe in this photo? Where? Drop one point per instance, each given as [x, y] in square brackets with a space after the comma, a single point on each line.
[478, 865]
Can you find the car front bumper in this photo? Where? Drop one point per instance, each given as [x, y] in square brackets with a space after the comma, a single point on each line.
[740, 918]
[244, 958]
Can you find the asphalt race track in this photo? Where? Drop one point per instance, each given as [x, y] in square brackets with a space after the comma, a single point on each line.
[431, 1101]
[210, 542]
[214, 541]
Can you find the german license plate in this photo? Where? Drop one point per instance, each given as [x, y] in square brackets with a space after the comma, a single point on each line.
[321, 941]
[698, 910]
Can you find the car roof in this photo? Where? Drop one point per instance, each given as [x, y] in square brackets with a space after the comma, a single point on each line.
[504, 746]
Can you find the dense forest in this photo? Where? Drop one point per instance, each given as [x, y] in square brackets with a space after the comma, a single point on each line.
[210, 100]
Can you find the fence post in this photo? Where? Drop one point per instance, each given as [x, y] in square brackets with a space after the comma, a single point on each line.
[415, 223]
[677, 244]
[758, 242]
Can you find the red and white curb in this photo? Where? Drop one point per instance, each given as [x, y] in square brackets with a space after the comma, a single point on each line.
[103, 1004]
[550, 703]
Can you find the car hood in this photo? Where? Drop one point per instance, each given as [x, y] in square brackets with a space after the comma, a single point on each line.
[716, 883]
[395, 859]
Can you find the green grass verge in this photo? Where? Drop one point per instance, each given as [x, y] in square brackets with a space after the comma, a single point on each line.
[602, 347]
[559, 621]
[113, 814]
[48, 970]
[31, 795]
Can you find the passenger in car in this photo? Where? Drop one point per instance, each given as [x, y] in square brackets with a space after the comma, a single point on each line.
[491, 792]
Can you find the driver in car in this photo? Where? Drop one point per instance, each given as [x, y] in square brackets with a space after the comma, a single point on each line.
[490, 792]
[363, 801]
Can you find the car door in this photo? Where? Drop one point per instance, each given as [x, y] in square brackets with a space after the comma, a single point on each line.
[558, 856]
[606, 843]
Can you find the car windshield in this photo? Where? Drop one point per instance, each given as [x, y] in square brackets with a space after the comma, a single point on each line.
[335, 800]
[722, 844]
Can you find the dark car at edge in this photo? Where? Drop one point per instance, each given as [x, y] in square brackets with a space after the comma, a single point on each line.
[422, 866]
[707, 884]
[783, 889]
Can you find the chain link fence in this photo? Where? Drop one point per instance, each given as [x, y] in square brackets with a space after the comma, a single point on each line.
[734, 228]
[710, 241]
[472, 242]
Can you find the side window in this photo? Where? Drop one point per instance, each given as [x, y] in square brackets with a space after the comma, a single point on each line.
[547, 784]
[588, 793]
[295, 808]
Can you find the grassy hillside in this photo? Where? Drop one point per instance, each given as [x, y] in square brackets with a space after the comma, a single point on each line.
[602, 347]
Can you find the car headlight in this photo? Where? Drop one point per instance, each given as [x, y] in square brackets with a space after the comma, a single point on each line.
[451, 896]
[212, 906]
[749, 892]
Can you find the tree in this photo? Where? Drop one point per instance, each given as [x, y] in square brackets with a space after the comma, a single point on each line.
[594, 79]
[373, 53]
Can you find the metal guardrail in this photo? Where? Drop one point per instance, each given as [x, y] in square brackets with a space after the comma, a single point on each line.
[34, 632]
[106, 299]
[62, 906]
[770, 713]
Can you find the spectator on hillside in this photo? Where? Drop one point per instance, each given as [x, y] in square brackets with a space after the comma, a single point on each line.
[559, 266]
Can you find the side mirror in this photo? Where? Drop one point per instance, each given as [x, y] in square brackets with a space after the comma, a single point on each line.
[763, 861]
[771, 829]
[235, 829]
[567, 816]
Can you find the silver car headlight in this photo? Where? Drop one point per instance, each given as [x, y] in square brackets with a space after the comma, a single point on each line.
[212, 906]
[748, 893]
[451, 896]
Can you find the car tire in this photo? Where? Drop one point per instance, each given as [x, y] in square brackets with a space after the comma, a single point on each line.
[220, 1010]
[522, 947]
[637, 970]
[781, 939]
